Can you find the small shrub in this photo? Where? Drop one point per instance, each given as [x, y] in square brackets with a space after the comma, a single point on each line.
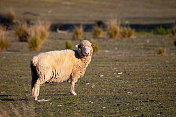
[161, 31]
[160, 52]
[7, 17]
[38, 34]
[10, 14]
[22, 32]
[44, 29]
[35, 43]
[100, 24]
[97, 31]
[44, 34]
[95, 47]
[35, 31]
[113, 30]
[69, 45]
[77, 32]
[127, 32]
[3, 40]
[41, 29]
[174, 31]
[45, 24]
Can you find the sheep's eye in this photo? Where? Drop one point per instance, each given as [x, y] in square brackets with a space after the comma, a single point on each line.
[79, 46]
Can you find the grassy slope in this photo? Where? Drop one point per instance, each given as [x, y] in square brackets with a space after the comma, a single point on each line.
[145, 87]
[143, 11]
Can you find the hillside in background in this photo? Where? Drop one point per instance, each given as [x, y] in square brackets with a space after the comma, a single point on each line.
[88, 11]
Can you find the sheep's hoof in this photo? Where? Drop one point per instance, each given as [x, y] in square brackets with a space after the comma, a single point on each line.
[73, 93]
[42, 100]
[35, 98]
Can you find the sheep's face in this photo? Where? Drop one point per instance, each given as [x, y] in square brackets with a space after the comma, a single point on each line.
[85, 48]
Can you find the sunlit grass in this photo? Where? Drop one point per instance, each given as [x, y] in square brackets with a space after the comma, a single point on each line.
[127, 32]
[78, 32]
[113, 30]
[8, 15]
[22, 32]
[68, 45]
[97, 32]
[4, 42]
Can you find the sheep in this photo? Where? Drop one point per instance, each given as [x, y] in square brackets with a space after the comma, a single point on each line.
[59, 66]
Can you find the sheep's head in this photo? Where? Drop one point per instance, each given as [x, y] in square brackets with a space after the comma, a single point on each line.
[85, 48]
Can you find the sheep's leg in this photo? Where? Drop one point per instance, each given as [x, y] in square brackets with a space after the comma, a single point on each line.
[73, 88]
[41, 80]
[37, 88]
[34, 78]
[36, 91]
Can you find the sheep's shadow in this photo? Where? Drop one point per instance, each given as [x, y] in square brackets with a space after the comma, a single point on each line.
[9, 99]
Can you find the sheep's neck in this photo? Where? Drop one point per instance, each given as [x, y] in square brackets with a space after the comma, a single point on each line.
[86, 60]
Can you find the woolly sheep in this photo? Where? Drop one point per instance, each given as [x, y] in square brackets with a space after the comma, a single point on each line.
[59, 66]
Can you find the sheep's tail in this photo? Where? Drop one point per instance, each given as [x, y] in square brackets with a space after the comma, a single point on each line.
[34, 73]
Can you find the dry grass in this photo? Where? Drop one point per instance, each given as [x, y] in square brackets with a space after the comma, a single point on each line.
[95, 47]
[113, 30]
[35, 43]
[160, 52]
[43, 27]
[8, 16]
[69, 45]
[3, 40]
[97, 32]
[127, 32]
[22, 32]
[78, 32]
[38, 34]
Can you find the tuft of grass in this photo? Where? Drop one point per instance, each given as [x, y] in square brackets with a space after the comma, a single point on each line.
[43, 27]
[95, 47]
[113, 30]
[38, 34]
[161, 31]
[160, 52]
[127, 32]
[174, 31]
[22, 32]
[97, 31]
[8, 16]
[35, 43]
[3, 40]
[78, 32]
[68, 45]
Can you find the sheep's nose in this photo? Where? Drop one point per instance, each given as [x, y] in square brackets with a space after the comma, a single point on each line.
[86, 53]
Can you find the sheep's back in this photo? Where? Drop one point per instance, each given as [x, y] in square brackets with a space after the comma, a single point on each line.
[60, 63]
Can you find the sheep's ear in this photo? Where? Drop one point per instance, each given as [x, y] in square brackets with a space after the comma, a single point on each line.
[76, 45]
